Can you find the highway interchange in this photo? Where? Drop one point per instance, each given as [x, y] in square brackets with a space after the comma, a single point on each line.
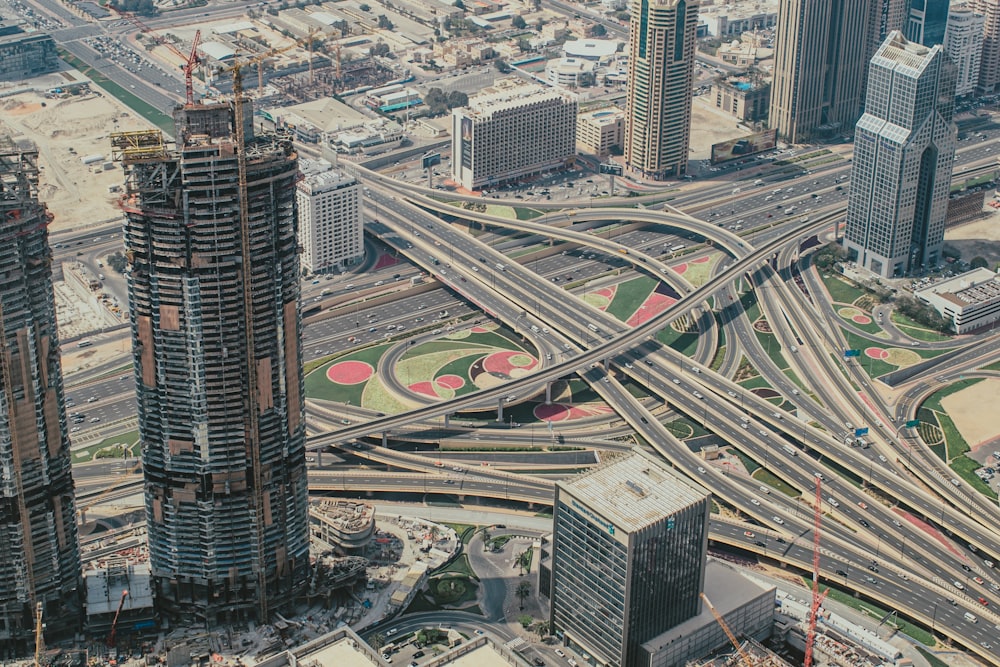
[890, 495]
[881, 494]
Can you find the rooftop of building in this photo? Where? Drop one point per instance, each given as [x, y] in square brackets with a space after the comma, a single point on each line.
[899, 53]
[106, 581]
[634, 491]
[510, 92]
[603, 116]
[340, 647]
[345, 514]
[326, 114]
[727, 589]
[966, 289]
[593, 49]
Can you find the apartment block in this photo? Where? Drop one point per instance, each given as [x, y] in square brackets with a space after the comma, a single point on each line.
[512, 130]
[599, 131]
[819, 68]
[963, 42]
[989, 70]
[331, 227]
[214, 287]
[746, 99]
[41, 563]
[660, 79]
[926, 21]
[904, 150]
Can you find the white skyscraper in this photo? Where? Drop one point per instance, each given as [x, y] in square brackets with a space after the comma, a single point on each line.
[330, 223]
[904, 148]
[963, 42]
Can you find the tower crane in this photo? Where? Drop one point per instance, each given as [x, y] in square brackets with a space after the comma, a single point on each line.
[744, 658]
[190, 61]
[817, 597]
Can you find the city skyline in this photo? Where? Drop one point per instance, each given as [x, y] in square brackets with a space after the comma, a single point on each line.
[474, 315]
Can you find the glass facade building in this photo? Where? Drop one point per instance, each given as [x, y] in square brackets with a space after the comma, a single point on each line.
[904, 151]
[628, 557]
[927, 21]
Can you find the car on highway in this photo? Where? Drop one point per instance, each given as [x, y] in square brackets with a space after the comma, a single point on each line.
[865, 523]
[778, 520]
[841, 573]
[391, 632]
[701, 470]
[749, 533]
[984, 602]
[862, 504]
[833, 501]
[560, 653]
[959, 585]
[978, 580]
[755, 501]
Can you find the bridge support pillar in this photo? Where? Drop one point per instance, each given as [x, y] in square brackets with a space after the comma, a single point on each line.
[500, 410]
[446, 420]
[369, 493]
[607, 364]
[385, 439]
[461, 499]
[548, 393]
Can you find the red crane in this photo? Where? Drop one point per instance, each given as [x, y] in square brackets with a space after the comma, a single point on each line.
[114, 623]
[817, 597]
[190, 61]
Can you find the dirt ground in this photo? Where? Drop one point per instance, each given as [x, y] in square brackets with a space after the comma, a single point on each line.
[711, 125]
[975, 419]
[977, 239]
[76, 194]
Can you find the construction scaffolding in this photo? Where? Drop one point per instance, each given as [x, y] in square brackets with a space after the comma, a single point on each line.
[37, 512]
[210, 237]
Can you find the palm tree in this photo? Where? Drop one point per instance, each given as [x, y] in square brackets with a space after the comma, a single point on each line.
[377, 641]
[522, 591]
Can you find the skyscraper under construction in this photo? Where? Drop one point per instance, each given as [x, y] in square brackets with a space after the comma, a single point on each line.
[40, 567]
[214, 288]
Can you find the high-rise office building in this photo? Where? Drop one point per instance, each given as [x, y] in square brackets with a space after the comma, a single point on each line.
[904, 148]
[628, 557]
[926, 21]
[660, 79]
[512, 130]
[818, 67]
[963, 42]
[331, 228]
[214, 291]
[41, 553]
[989, 68]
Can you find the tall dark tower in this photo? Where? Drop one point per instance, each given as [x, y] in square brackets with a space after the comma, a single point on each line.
[214, 292]
[38, 537]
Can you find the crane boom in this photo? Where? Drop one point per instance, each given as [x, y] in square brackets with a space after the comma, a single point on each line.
[744, 658]
[39, 638]
[817, 597]
[114, 622]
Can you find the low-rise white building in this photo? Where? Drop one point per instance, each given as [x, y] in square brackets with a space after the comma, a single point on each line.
[330, 221]
[970, 300]
[512, 130]
[570, 72]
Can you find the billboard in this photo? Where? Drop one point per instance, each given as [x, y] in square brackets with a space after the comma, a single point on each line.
[466, 143]
[743, 146]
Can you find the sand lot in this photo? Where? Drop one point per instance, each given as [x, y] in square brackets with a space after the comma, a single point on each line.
[711, 125]
[76, 194]
[980, 238]
[974, 418]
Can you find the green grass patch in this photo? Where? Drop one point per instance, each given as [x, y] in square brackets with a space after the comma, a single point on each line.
[750, 306]
[875, 612]
[147, 111]
[458, 566]
[111, 447]
[527, 213]
[749, 463]
[720, 357]
[966, 468]
[629, 296]
[933, 401]
[932, 659]
[772, 480]
[840, 290]
[957, 446]
[684, 342]
[756, 382]
[318, 386]
[916, 330]
[465, 531]
[770, 344]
